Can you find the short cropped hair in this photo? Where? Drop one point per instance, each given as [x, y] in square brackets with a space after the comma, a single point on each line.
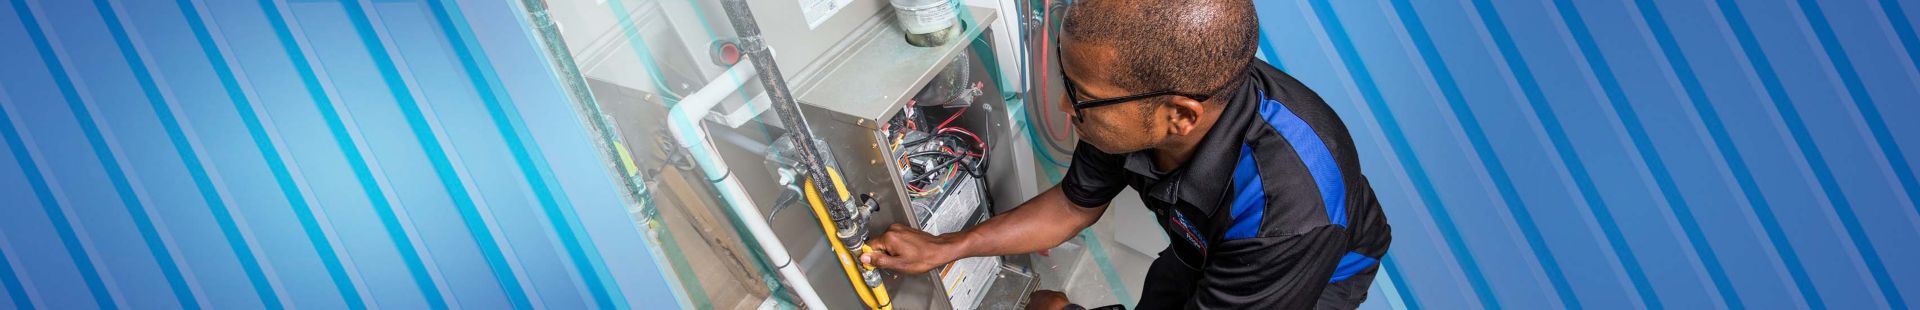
[1187, 46]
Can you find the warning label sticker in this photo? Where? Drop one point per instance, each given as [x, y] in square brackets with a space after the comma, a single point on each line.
[967, 280]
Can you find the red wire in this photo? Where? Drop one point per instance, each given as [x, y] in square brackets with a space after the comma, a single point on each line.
[976, 139]
[956, 115]
[969, 154]
[1046, 25]
[1046, 111]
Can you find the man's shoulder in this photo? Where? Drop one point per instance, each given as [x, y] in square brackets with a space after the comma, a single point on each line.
[1284, 99]
[1276, 85]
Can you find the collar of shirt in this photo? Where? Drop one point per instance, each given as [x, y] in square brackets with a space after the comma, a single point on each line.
[1197, 183]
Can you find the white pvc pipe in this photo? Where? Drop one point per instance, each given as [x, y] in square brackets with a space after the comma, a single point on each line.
[684, 121]
[753, 108]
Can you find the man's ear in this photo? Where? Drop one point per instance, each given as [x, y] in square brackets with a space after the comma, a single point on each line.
[1184, 114]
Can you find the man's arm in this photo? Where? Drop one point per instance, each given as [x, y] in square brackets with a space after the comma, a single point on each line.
[1041, 223]
[1280, 272]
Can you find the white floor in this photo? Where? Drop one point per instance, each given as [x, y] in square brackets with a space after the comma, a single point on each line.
[1128, 241]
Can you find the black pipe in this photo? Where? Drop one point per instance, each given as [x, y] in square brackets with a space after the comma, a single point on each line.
[775, 85]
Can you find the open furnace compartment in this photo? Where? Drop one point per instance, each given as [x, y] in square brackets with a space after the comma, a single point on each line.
[926, 133]
[872, 102]
[942, 162]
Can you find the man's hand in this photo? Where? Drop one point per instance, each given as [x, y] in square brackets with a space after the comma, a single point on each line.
[909, 250]
[1047, 300]
[1041, 223]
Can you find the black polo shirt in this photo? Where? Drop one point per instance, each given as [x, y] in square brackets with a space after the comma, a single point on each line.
[1270, 210]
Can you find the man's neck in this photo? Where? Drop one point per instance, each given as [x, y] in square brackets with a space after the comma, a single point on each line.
[1177, 150]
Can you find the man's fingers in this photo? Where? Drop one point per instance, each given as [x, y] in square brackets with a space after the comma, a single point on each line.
[877, 260]
[881, 243]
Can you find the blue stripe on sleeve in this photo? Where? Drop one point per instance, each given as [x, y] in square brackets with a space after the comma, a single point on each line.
[1314, 154]
[1249, 198]
[1351, 264]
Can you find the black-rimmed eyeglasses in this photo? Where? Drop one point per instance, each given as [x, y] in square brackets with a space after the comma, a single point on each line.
[1080, 107]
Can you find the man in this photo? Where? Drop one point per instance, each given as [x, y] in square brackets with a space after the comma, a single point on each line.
[1253, 177]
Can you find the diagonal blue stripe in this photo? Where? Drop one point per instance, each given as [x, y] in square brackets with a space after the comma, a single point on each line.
[170, 124]
[566, 225]
[82, 262]
[1561, 145]
[306, 214]
[8, 279]
[1776, 92]
[1881, 137]
[1617, 98]
[1476, 136]
[1473, 131]
[1903, 29]
[1722, 141]
[1267, 49]
[1313, 155]
[244, 107]
[436, 154]
[1405, 290]
[1403, 151]
[101, 152]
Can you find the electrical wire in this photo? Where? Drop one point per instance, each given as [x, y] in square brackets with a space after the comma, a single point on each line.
[951, 146]
[1046, 24]
[982, 144]
[1046, 113]
[1046, 37]
[1051, 143]
[1034, 138]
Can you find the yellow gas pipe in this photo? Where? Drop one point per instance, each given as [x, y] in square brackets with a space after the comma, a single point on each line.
[876, 296]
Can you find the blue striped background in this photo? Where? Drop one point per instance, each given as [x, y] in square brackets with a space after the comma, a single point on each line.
[324, 154]
[1626, 153]
[1531, 154]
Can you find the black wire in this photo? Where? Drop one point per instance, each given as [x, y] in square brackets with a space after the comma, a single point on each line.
[922, 139]
[932, 169]
[961, 146]
[925, 153]
[985, 147]
[935, 167]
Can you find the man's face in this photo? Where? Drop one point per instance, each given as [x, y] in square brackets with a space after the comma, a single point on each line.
[1115, 129]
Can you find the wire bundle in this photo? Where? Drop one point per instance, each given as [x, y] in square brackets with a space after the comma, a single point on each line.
[931, 160]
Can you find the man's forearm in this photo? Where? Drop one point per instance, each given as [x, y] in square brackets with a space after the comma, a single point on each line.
[1041, 223]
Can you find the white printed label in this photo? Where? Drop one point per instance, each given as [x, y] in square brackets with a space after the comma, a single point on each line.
[818, 11]
[926, 20]
[967, 280]
[953, 213]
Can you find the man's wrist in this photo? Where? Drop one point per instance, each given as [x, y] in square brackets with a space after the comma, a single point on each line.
[956, 245]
